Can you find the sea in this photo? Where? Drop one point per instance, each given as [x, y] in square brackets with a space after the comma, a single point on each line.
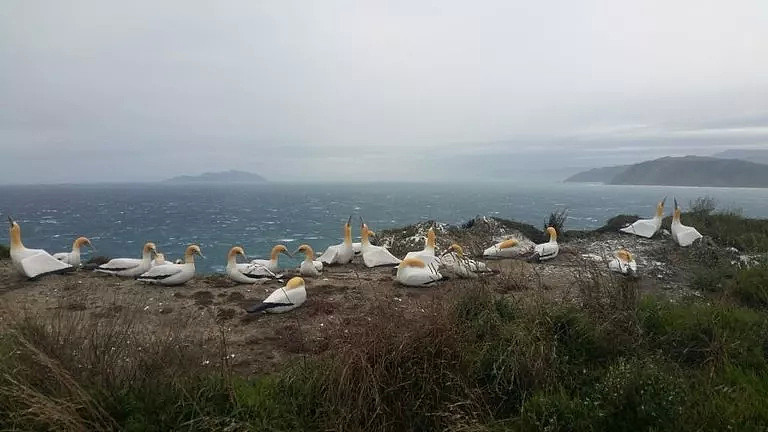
[120, 218]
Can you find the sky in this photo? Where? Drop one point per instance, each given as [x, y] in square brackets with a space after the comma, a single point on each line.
[94, 91]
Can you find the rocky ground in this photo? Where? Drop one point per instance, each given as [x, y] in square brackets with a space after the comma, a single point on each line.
[213, 306]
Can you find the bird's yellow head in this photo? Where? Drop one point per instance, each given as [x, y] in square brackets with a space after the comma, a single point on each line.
[237, 250]
[277, 250]
[506, 244]
[412, 262]
[193, 250]
[149, 247]
[307, 250]
[82, 241]
[348, 231]
[458, 249]
[14, 232]
[552, 233]
[295, 282]
[660, 207]
[624, 255]
[431, 238]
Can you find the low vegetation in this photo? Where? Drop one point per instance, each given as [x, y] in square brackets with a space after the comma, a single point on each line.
[475, 361]
[5, 253]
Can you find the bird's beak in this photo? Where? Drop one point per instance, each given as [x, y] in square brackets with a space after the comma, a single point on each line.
[294, 253]
[10, 221]
[675, 202]
[287, 253]
[362, 221]
[201, 255]
[349, 221]
[663, 201]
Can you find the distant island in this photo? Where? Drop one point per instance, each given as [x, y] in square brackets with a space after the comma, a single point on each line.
[229, 177]
[749, 155]
[681, 171]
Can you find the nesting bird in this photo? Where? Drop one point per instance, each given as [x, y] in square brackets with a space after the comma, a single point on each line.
[454, 261]
[173, 274]
[73, 258]
[32, 263]
[309, 266]
[246, 273]
[374, 256]
[130, 267]
[428, 253]
[510, 248]
[682, 234]
[271, 264]
[647, 227]
[546, 251]
[340, 253]
[283, 299]
[623, 263]
[415, 272]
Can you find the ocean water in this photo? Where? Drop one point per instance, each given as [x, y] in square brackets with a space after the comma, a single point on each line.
[120, 218]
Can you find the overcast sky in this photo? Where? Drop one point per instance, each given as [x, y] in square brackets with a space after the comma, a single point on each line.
[399, 90]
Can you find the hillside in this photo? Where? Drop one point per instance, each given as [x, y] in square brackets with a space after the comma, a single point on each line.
[597, 175]
[682, 171]
[750, 155]
[231, 176]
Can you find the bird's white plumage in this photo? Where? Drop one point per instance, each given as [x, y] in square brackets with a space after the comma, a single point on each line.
[73, 257]
[644, 227]
[289, 297]
[682, 234]
[375, 256]
[246, 273]
[172, 274]
[414, 272]
[549, 250]
[455, 263]
[308, 268]
[32, 263]
[341, 253]
[619, 265]
[129, 267]
[522, 248]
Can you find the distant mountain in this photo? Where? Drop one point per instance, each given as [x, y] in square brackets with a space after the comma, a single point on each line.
[749, 155]
[230, 176]
[597, 175]
[685, 171]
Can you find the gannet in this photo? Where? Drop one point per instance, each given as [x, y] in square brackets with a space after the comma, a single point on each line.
[130, 267]
[284, 299]
[308, 266]
[683, 235]
[454, 261]
[246, 273]
[546, 251]
[32, 263]
[73, 258]
[159, 260]
[271, 264]
[414, 272]
[340, 253]
[510, 248]
[374, 256]
[623, 263]
[647, 227]
[428, 253]
[174, 274]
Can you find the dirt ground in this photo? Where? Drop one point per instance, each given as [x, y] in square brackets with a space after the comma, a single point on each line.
[344, 295]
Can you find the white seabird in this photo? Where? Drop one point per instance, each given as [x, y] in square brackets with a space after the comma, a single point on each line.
[130, 267]
[510, 248]
[546, 251]
[73, 258]
[647, 227]
[623, 263]
[174, 274]
[340, 253]
[246, 273]
[414, 272]
[428, 253]
[454, 261]
[271, 264]
[374, 256]
[682, 234]
[283, 299]
[159, 259]
[309, 266]
[32, 263]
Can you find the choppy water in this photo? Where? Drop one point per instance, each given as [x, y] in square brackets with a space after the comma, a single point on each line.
[120, 218]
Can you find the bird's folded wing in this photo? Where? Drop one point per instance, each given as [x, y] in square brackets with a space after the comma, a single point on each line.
[161, 271]
[118, 264]
[255, 270]
[41, 264]
[330, 255]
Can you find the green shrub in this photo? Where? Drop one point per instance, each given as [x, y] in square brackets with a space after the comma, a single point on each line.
[705, 334]
[750, 287]
[5, 253]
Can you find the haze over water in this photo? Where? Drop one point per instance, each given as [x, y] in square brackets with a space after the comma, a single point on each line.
[120, 218]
